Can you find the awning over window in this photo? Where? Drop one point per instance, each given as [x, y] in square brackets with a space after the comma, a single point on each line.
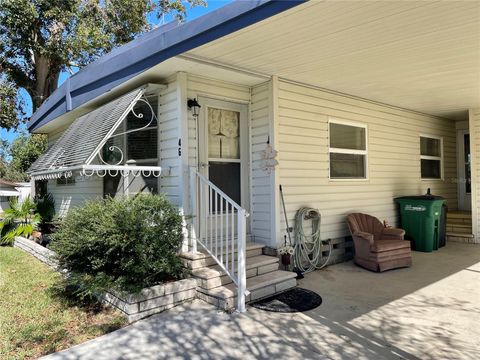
[84, 139]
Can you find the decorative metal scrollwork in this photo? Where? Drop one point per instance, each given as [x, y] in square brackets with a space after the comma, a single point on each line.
[111, 148]
[138, 115]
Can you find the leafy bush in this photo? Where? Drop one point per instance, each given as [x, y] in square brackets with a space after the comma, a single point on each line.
[122, 245]
[19, 220]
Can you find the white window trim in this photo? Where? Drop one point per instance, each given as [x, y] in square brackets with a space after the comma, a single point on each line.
[332, 120]
[427, 157]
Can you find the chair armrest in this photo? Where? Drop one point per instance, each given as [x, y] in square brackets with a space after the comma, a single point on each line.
[393, 234]
[364, 236]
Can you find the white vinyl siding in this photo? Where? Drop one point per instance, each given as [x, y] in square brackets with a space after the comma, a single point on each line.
[74, 194]
[71, 195]
[474, 124]
[393, 148]
[168, 135]
[262, 213]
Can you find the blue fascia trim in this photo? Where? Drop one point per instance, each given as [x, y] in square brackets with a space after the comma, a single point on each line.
[124, 65]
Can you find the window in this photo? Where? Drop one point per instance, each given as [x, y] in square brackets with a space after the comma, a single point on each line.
[431, 153]
[142, 144]
[139, 147]
[66, 180]
[348, 150]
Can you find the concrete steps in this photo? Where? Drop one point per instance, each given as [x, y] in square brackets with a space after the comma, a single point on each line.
[459, 227]
[213, 276]
[202, 259]
[261, 286]
[460, 237]
[215, 286]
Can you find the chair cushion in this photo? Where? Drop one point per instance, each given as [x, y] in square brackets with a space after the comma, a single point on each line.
[389, 245]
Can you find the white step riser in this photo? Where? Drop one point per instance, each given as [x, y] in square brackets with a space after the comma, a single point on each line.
[209, 261]
[465, 229]
[222, 280]
[257, 294]
[461, 238]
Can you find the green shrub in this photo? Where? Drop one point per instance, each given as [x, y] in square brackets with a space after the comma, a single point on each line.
[18, 220]
[122, 245]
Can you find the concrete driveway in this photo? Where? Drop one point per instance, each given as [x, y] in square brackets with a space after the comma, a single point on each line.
[429, 311]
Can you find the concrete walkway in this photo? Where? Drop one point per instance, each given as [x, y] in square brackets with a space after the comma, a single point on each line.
[429, 311]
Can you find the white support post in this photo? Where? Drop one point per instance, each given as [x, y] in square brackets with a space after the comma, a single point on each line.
[182, 149]
[474, 120]
[274, 175]
[195, 213]
[241, 260]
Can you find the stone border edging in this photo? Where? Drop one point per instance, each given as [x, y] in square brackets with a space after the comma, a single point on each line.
[134, 307]
[38, 251]
[154, 299]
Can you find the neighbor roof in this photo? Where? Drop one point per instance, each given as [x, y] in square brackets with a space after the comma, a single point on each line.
[6, 182]
[150, 49]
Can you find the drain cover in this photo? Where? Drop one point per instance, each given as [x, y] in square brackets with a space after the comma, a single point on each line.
[293, 300]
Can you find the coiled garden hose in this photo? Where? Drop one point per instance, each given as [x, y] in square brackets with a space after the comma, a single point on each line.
[308, 248]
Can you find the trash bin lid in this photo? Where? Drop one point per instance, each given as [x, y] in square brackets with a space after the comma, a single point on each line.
[421, 197]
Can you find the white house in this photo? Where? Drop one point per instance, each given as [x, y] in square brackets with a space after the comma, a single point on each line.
[347, 105]
[8, 190]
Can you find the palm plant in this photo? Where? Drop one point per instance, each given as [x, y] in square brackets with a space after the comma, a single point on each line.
[46, 208]
[19, 220]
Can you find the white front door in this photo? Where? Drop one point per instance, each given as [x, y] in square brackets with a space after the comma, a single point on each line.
[464, 177]
[223, 148]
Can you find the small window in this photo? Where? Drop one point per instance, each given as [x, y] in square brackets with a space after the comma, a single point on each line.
[66, 180]
[348, 150]
[142, 142]
[431, 157]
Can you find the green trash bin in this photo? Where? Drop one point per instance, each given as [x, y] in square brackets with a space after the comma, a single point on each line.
[421, 219]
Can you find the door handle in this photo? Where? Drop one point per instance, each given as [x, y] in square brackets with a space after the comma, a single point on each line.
[204, 165]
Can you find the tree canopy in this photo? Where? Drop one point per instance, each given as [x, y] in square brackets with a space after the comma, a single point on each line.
[41, 38]
[23, 151]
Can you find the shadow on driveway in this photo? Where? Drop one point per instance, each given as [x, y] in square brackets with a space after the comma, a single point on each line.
[430, 311]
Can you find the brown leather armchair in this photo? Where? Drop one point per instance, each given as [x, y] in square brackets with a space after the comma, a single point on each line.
[378, 248]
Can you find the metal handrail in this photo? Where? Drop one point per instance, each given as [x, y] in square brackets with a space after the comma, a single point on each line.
[217, 217]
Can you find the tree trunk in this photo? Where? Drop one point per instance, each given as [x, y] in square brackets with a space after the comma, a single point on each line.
[46, 76]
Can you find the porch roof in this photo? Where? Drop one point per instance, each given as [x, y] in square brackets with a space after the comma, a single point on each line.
[165, 42]
[423, 56]
[417, 55]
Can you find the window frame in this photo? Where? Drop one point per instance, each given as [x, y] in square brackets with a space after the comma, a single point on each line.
[428, 157]
[124, 146]
[333, 120]
[66, 181]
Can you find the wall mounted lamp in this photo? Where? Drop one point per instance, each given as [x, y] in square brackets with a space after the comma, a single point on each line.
[194, 106]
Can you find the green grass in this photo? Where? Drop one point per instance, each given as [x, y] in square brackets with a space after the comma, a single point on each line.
[34, 319]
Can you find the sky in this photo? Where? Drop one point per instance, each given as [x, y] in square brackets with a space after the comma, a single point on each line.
[191, 14]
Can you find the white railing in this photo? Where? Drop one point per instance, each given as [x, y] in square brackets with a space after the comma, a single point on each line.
[221, 229]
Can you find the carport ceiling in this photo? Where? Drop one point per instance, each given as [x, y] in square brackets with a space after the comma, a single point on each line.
[423, 56]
